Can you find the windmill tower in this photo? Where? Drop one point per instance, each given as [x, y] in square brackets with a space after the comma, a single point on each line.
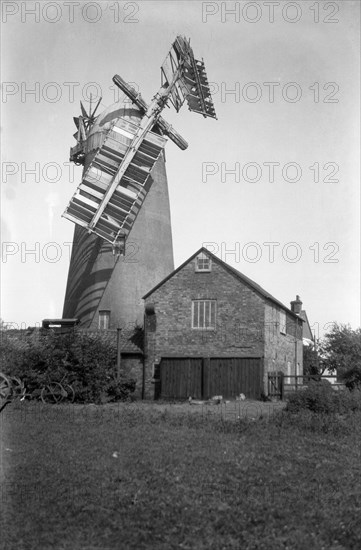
[122, 239]
[105, 289]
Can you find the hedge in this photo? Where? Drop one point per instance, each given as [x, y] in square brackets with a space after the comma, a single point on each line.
[319, 397]
[86, 360]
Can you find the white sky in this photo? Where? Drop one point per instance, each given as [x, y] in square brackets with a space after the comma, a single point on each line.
[323, 215]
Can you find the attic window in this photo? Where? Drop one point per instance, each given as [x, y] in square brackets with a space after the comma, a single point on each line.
[203, 262]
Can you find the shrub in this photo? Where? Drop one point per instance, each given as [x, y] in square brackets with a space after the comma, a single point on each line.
[349, 400]
[86, 360]
[121, 390]
[352, 377]
[319, 397]
[319, 423]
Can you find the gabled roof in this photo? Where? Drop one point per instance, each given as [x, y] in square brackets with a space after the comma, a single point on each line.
[231, 270]
[132, 343]
[307, 333]
[133, 347]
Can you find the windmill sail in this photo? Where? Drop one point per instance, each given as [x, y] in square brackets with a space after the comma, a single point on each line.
[120, 209]
[117, 180]
[192, 83]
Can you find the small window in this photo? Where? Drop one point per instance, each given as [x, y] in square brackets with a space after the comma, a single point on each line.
[203, 262]
[104, 319]
[204, 314]
[282, 322]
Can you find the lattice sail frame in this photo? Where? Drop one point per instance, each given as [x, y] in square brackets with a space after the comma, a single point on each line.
[116, 182]
[117, 218]
[192, 84]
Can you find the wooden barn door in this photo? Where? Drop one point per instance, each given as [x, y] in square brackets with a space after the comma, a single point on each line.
[230, 376]
[181, 378]
[204, 378]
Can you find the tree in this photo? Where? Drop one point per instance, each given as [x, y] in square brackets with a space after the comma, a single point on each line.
[340, 350]
[310, 360]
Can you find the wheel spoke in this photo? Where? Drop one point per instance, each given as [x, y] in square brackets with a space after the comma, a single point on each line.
[18, 386]
[52, 393]
[6, 389]
[70, 393]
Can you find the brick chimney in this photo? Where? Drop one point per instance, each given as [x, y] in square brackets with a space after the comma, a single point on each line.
[296, 305]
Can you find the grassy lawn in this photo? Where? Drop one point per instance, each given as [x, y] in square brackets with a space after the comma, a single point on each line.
[153, 476]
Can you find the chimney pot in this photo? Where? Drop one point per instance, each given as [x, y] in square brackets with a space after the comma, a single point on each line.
[296, 305]
[149, 309]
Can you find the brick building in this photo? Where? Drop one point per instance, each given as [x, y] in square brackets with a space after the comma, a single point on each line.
[210, 330]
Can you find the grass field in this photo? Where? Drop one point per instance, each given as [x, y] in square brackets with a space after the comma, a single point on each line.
[158, 476]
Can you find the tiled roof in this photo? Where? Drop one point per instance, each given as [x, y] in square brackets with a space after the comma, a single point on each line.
[133, 343]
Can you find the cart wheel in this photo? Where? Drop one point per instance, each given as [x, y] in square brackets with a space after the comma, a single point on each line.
[6, 388]
[6, 391]
[18, 387]
[52, 393]
[70, 393]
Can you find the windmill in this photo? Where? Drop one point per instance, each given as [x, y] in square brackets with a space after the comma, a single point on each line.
[114, 185]
[122, 200]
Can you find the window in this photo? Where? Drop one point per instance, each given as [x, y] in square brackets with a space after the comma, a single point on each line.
[203, 262]
[104, 319]
[282, 322]
[204, 314]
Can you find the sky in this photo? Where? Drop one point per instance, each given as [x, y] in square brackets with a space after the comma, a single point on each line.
[272, 186]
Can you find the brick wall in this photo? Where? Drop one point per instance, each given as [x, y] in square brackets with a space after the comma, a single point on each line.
[239, 325]
[282, 351]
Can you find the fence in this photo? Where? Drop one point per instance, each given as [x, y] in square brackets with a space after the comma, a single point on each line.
[279, 384]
